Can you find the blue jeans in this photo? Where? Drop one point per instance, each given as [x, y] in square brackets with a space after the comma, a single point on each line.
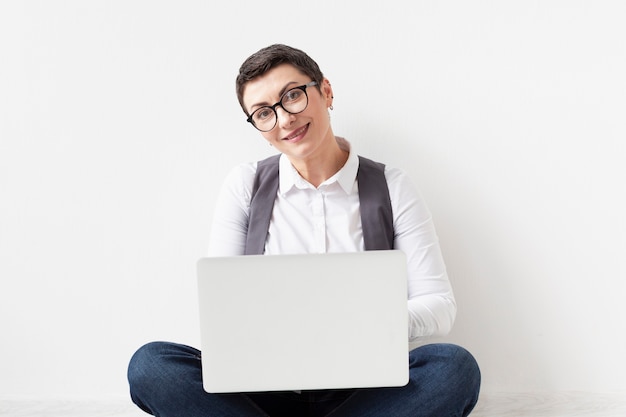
[166, 381]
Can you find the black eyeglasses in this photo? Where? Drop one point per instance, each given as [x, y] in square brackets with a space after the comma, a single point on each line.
[293, 101]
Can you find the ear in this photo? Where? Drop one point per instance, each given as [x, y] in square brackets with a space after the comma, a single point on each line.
[327, 92]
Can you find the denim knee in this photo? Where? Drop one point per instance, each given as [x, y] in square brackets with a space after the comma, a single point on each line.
[145, 357]
[457, 357]
[140, 371]
[453, 366]
[161, 361]
[470, 377]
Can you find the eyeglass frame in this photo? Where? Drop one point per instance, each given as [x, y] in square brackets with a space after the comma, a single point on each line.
[280, 103]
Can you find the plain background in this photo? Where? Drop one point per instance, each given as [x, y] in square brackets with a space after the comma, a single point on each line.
[118, 123]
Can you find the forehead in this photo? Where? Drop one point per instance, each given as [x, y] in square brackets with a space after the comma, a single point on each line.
[267, 88]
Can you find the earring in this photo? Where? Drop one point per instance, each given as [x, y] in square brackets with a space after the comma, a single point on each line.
[331, 107]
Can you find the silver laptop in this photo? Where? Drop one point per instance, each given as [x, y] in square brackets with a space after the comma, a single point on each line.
[301, 322]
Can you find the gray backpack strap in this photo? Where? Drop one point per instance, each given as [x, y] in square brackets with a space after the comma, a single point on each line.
[375, 205]
[261, 204]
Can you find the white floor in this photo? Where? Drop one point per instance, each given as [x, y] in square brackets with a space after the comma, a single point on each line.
[570, 404]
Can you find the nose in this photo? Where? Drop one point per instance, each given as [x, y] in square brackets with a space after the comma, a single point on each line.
[284, 117]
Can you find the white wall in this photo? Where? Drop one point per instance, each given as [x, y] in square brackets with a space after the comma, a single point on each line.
[118, 120]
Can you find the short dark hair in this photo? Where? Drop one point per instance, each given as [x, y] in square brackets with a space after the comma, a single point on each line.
[272, 56]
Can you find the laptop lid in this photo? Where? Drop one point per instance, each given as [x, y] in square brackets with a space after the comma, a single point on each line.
[300, 322]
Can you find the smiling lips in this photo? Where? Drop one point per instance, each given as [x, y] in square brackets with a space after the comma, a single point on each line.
[297, 133]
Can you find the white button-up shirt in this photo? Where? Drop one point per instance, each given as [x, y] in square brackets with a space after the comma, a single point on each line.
[306, 219]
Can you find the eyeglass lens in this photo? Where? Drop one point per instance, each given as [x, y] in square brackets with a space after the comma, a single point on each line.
[293, 101]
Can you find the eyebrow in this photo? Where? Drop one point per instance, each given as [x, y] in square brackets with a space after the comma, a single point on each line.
[280, 94]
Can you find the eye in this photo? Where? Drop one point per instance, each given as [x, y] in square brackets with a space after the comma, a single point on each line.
[263, 113]
[292, 95]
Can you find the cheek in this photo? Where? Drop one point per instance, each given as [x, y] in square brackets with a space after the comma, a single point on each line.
[322, 116]
[318, 113]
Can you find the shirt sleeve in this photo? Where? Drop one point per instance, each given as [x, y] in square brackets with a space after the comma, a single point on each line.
[230, 219]
[431, 304]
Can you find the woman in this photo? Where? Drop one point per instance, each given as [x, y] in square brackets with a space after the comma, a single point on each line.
[316, 207]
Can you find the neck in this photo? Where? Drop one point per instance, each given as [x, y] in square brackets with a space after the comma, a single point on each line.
[322, 166]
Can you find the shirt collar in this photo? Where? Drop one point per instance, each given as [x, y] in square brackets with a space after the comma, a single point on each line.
[345, 177]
